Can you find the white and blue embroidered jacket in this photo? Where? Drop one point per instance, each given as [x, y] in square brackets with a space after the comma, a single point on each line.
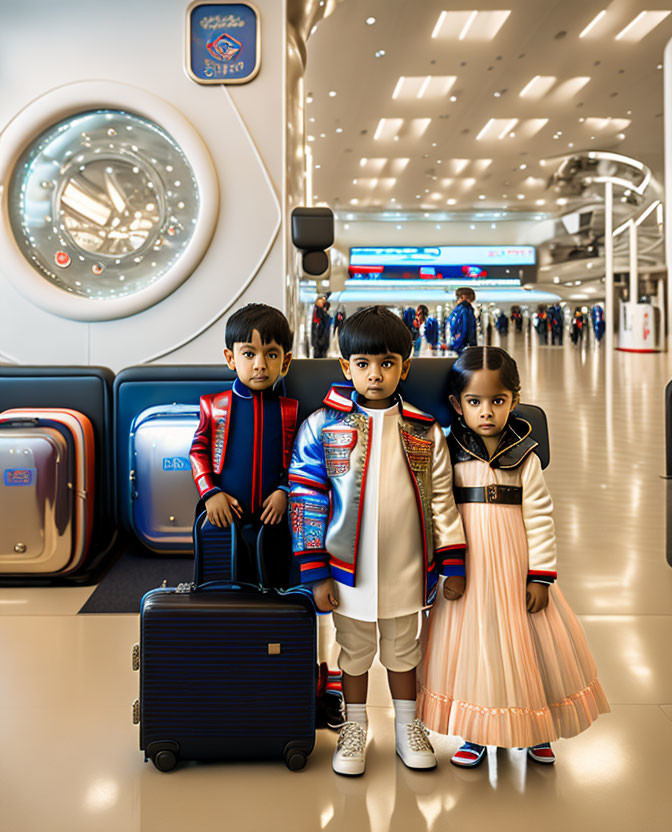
[327, 477]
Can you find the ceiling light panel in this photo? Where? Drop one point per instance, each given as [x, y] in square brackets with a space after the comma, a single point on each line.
[568, 89]
[372, 166]
[594, 27]
[398, 166]
[538, 87]
[388, 128]
[470, 25]
[640, 26]
[423, 86]
[606, 125]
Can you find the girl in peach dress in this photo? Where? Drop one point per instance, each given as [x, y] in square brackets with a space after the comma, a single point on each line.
[506, 662]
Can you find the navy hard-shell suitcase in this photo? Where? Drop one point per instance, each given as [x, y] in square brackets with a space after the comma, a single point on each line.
[227, 672]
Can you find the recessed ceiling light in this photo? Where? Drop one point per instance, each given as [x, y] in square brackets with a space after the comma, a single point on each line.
[593, 23]
[323, 135]
[426, 215]
[399, 227]
[472, 227]
[497, 94]
[370, 21]
[540, 202]
[438, 228]
[311, 138]
[520, 196]
[453, 98]
[311, 120]
[346, 226]
[451, 201]
[380, 53]
[481, 196]
[561, 201]
[354, 202]
[523, 166]
[493, 225]
[556, 280]
[318, 166]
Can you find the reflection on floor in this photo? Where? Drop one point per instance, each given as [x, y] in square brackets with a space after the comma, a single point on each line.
[69, 758]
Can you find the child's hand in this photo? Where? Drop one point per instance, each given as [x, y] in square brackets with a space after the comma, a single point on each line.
[325, 598]
[537, 597]
[220, 508]
[274, 507]
[453, 587]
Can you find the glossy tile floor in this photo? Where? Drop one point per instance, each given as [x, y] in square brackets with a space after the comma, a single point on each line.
[69, 758]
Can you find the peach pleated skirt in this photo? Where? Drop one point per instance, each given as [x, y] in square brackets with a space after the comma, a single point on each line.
[492, 673]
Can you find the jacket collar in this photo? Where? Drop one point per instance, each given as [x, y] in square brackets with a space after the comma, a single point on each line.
[344, 397]
[515, 443]
[244, 392]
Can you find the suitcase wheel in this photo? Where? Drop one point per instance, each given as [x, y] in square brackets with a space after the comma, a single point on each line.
[136, 657]
[136, 712]
[295, 756]
[165, 760]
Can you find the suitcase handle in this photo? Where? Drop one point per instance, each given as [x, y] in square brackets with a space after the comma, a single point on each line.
[19, 422]
[212, 585]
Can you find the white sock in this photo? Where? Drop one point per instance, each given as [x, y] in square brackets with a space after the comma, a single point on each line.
[357, 713]
[404, 711]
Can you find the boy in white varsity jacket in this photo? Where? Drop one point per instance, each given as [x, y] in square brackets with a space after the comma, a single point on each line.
[374, 524]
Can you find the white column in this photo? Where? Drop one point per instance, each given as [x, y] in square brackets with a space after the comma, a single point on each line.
[609, 307]
[667, 106]
[633, 296]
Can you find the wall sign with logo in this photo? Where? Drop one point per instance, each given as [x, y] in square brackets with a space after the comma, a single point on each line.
[223, 43]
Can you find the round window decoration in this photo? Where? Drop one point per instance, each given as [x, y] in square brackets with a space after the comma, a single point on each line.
[103, 204]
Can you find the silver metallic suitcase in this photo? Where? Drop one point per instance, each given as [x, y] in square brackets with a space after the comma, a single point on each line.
[36, 497]
[163, 493]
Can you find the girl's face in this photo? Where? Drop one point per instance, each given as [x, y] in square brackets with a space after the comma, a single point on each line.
[485, 404]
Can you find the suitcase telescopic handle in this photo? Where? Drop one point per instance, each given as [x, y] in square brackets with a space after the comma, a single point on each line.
[200, 556]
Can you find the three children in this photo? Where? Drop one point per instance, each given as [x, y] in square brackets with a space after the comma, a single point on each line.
[375, 528]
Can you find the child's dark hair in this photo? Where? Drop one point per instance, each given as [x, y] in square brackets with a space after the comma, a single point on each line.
[269, 322]
[374, 331]
[484, 358]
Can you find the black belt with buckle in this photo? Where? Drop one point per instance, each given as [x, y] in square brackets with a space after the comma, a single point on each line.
[505, 495]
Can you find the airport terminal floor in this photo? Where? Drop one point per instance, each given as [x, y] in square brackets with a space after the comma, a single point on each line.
[69, 757]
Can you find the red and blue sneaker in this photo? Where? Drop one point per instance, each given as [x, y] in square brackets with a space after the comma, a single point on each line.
[468, 755]
[542, 753]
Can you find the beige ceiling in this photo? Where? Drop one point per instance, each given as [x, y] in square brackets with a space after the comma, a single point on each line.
[621, 105]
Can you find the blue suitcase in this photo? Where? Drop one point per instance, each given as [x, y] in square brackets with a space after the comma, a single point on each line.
[227, 672]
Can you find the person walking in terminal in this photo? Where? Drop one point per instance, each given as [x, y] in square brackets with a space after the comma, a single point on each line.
[507, 664]
[373, 523]
[243, 444]
[462, 320]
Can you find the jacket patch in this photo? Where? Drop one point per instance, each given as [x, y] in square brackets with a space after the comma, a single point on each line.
[338, 443]
[418, 451]
[308, 520]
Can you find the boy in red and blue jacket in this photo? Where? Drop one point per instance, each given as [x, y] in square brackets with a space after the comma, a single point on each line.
[242, 447]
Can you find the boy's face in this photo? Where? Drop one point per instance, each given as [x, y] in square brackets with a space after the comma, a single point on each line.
[376, 377]
[258, 365]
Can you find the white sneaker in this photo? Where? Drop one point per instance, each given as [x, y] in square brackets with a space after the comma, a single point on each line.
[413, 745]
[349, 757]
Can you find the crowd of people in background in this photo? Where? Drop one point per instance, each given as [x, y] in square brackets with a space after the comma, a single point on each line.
[460, 328]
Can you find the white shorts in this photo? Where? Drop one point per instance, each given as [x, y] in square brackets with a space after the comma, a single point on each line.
[399, 645]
